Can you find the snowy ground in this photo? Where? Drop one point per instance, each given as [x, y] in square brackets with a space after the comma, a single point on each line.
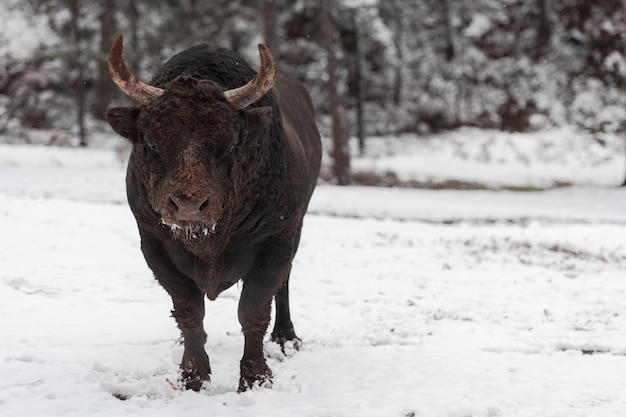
[409, 302]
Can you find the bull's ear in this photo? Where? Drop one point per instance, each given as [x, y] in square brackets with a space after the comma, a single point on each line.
[259, 118]
[124, 121]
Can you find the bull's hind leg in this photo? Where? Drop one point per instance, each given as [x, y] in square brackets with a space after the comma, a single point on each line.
[283, 327]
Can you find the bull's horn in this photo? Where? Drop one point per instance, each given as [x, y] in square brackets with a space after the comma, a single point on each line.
[121, 75]
[242, 97]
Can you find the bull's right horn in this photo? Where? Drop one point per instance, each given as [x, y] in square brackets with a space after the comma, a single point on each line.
[121, 75]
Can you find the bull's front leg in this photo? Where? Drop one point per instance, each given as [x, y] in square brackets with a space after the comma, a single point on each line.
[267, 277]
[188, 312]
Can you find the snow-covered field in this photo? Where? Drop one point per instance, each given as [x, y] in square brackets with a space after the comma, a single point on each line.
[409, 302]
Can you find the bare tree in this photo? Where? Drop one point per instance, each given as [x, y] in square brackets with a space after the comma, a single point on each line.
[108, 29]
[78, 63]
[340, 152]
[624, 48]
[544, 30]
[352, 44]
[270, 24]
[398, 30]
[450, 49]
[131, 10]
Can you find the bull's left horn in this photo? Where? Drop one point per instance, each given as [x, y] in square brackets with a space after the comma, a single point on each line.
[242, 97]
[121, 75]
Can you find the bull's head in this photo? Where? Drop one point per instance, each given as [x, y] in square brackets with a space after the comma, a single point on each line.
[188, 139]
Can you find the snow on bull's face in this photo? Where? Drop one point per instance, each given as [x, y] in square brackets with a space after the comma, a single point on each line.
[189, 196]
[189, 232]
[185, 163]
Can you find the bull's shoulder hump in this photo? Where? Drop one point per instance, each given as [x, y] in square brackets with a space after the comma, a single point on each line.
[205, 61]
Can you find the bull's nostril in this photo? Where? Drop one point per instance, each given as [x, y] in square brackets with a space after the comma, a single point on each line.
[184, 208]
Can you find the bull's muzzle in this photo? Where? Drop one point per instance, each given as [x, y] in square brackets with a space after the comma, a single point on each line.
[188, 209]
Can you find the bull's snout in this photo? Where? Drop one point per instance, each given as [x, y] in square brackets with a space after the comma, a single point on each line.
[189, 209]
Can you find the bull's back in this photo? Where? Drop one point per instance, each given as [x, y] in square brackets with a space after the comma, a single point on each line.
[206, 62]
[301, 134]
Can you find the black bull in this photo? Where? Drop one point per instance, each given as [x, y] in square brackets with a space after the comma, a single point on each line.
[222, 168]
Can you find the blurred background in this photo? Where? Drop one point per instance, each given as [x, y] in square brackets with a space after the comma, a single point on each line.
[374, 68]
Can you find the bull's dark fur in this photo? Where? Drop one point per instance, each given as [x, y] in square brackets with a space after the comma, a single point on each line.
[251, 172]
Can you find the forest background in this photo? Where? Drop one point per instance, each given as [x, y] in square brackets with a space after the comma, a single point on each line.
[373, 67]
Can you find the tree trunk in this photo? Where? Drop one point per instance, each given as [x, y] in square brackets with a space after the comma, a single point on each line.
[340, 152]
[358, 83]
[80, 103]
[624, 52]
[133, 20]
[397, 44]
[450, 49]
[108, 29]
[544, 30]
[79, 82]
[270, 23]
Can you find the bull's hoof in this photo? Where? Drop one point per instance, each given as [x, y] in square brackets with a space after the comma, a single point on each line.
[193, 381]
[192, 377]
[287, 340]
[289, 346]
[254, 375]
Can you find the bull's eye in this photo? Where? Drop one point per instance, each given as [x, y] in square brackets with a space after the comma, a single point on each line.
[150, 145]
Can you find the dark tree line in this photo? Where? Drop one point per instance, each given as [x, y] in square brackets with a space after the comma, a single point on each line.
[373, 67]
